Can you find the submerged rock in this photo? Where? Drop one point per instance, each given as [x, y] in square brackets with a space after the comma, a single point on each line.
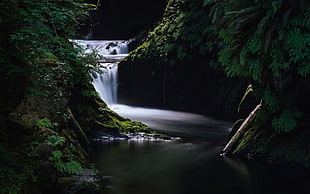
[139, 136]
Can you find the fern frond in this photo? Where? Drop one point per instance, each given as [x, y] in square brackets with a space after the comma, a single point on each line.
[255, 69]
[287, 121]
[54, 140]
[254, 44]
[270, 101]
[56, 156]
[72, 167]
[304, 69]
[296, 42]
[59, 166]
[226, 35]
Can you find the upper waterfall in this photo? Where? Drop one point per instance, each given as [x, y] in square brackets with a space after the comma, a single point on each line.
[112, 52]
[104, 47]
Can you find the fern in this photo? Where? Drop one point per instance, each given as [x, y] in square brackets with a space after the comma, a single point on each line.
[72, 167]
[268, 42]
[255, 69]
[59, 165]
[270, 101]
[55, 140]
[304, 69]
[45, 123]
[254, 44]
[56, 156]
[287, 121]
[297, 42]
[226, 35]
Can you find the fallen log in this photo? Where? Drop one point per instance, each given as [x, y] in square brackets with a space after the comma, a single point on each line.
[230, 146]
[78, 130]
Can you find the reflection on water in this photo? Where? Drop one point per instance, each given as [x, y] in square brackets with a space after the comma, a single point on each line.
[191, 165]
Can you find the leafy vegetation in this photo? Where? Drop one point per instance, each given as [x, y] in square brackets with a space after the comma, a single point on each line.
[57, 159]
[38, 62]
[12, 162]
[39, 30]
[45, 123]
[267, 41]
[182, 31]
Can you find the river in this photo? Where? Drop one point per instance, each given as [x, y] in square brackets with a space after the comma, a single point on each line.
[189, 165]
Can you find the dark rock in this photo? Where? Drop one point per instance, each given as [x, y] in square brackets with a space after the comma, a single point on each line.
[82, 187]
[46, 176]
[122, 19]
[43, 150]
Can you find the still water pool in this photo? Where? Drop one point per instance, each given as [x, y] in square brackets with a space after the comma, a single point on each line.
[189, 165]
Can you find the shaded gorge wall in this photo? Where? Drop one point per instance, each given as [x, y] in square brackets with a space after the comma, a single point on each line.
[175, 67]
[121, 19]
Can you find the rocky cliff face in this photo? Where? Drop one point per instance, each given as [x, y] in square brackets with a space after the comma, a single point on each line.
[122, 19]
[173, 67]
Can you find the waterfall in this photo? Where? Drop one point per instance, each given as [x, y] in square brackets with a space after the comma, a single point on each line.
[106, 83]
[113, 51]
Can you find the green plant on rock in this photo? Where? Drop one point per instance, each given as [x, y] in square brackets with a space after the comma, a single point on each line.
[55, 140]
[45, 123]
[62, 165]
[182, 34]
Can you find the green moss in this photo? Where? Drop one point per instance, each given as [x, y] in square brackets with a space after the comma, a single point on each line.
[235, 127]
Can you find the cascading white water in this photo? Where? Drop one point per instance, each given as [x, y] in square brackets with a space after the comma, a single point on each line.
[106, 83]
[104, 47]
[113, 51]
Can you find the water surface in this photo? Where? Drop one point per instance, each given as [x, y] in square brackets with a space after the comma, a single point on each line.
[191, 165]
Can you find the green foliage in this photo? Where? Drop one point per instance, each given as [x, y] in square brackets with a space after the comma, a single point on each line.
[180, 35]
[45, 123]
[69, 167]
[55, 140]
[287, 121]
[56, 156]
[40, 30]
[72, 167]
[268, 42]
[61, 164]
[89, 93]
[16, 170]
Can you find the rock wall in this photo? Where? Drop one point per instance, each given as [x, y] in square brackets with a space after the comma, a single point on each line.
[122, 19]
[172, 68]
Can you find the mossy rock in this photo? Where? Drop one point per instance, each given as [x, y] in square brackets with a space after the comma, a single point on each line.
[95, 118]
